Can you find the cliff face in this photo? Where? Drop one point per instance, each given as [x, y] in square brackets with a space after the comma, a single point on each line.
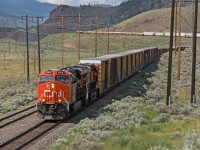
[88, 18]
[111, 15]
[105, 15]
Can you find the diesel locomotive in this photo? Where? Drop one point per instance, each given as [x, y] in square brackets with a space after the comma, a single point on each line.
[65, 90]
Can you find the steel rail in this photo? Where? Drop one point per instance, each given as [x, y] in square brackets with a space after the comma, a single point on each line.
[11, 140]
[17, 119]
[37, 136]
[14, 114]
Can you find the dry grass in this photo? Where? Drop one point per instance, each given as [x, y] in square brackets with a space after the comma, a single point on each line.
[155, 21]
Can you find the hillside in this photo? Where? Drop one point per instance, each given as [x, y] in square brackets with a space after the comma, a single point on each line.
[11, 10]
[111, 15]
[151, 21]
[23, 7]
[136, 117]
[157, 20]
[125, 119]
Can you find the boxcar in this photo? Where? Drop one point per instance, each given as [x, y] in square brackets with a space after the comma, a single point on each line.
[113, 68]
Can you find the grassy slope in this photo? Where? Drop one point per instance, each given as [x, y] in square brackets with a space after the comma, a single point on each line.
[155, 21]
[132, 115]
[137, 117]
[14, 90]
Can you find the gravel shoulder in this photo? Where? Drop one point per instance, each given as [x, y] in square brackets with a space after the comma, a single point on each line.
[46, 142]
[18, 127]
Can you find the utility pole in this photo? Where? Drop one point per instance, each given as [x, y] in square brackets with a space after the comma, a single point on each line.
[16, 46]
[79, 37]
[27, 43]
[176, 29]
[42, 59]
[62, 43]
[193, 99]
[24, 54]
[179, 41]
[38, 32]
[95, 51]
[34, 60]
[9, 44]
[168, 99]
[79, 23]
[28, 73]
[108, 38]
[163, 24]
[4, 60]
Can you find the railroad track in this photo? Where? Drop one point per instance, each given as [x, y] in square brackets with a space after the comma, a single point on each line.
[27, 137]
[32, 134]
[5, 121]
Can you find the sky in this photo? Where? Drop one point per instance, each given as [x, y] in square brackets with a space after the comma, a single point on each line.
[81, 2]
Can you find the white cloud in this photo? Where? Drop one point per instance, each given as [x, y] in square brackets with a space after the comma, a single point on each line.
[64, 2]
[85, 2]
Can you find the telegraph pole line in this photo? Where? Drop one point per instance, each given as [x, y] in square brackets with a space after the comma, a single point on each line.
[4, 60]
[193, 99]
[176, 28]
[179, 41]
[62, 43]
[24, 54]
[16, 46]
[9, 44]
[169, 100]
[95, 51]
[34, 60]
[39, 53]
[27, 43]
[108, 38]
[79, 37]
[42, 59]
[79, 23]
[28, 71]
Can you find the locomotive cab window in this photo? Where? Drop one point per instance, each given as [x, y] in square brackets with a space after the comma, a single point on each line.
[45, 78]
[62, 78]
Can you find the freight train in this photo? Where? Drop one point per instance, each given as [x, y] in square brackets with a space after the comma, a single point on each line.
[66, 90]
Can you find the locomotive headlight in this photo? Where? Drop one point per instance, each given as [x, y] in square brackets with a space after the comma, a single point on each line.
[43, 100]
[59, 100]
[52, 86]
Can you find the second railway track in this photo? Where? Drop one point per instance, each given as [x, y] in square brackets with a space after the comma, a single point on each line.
[14, 117]
[26, 137]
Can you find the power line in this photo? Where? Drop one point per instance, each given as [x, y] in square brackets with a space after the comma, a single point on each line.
[27, 48]
[27, 43]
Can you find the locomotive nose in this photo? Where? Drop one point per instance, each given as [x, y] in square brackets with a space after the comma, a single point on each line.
[50, 86]
[50, 93]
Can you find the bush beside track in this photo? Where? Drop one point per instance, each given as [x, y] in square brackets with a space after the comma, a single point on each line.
[137, 118]
[15, 92]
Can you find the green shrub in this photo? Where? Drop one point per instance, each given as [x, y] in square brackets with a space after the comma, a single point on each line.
[60, 144]
[162, 118]
[191, 140]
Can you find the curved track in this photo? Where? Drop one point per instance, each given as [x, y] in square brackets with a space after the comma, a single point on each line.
[26, 137]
